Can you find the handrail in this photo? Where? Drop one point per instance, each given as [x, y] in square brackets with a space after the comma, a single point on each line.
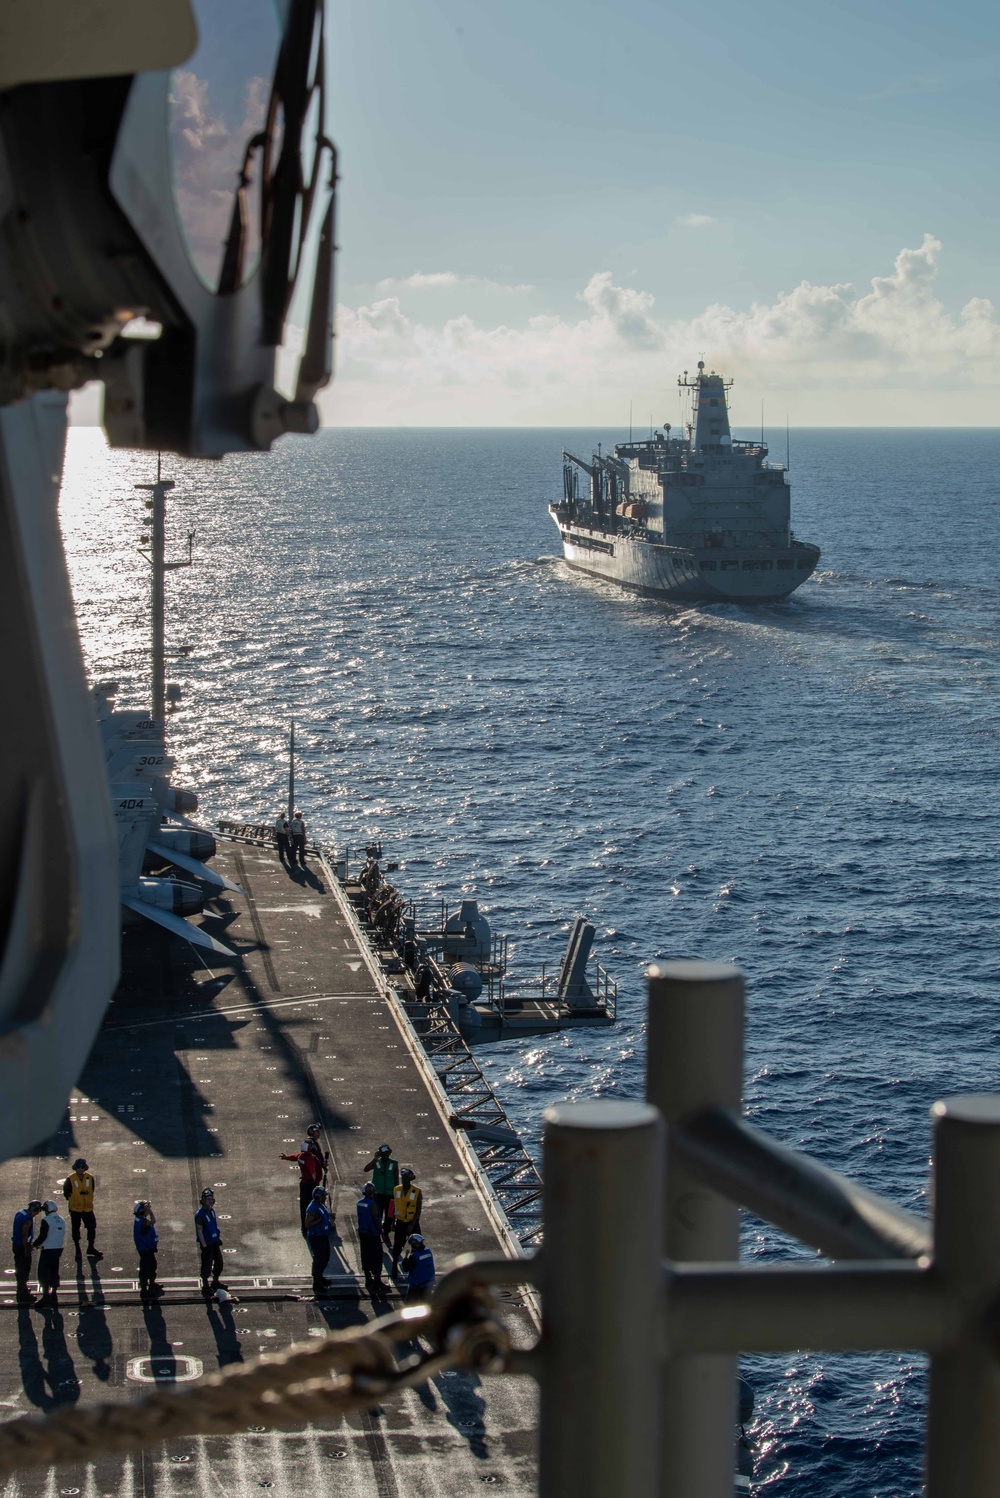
[798, 1194]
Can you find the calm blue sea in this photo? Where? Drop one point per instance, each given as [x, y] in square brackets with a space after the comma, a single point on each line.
[807, 789]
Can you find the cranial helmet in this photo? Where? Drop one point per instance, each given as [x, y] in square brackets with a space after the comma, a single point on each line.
[384, 1149]
[208, 1195]
[417, 1239]
[369, 1188]
[406, 1173]
[80, 1164]
[50, 1207]
[319, 1193]
[314, 1129]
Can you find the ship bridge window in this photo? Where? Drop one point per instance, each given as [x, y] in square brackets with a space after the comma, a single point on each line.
[785, 566]
[756, 566]
[804, 566]
[708, 566]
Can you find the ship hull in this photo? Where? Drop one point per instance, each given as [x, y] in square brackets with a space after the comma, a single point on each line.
[685, 575]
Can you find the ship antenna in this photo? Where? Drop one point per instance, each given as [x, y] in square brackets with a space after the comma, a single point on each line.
[291, 772]
[762, 421]
[630, 421]
[788, 460]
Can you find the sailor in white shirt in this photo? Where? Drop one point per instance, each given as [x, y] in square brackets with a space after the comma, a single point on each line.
[297, 832]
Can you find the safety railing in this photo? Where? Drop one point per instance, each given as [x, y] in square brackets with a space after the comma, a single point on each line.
[545, 990]
[641, 1331]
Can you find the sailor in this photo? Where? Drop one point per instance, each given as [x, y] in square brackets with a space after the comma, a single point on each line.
[22, 1242]
[207, 1231]
[419, 1268]
[424, 982]
[317, 1227]
[312, 1165]
[370, 1240]
[51, 1237]
[78, 1189]
[385, 1179]
[297, 833]
[406, 1203]
[146, 1238]
[281, 836]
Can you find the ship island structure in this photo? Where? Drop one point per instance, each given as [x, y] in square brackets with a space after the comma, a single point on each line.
[702, 516]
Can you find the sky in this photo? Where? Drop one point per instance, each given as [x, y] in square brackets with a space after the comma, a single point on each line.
[548, 211]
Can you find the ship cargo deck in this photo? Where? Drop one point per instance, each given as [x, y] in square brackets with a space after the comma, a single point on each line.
[204, 1076]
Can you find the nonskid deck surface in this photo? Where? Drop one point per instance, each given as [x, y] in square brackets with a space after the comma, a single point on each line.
[203, 1077]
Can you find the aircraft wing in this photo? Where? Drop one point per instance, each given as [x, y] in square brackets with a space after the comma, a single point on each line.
[192, 866]
[178, 816]
[178, 925]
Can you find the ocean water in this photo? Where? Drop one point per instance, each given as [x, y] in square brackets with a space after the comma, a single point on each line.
[807, 789]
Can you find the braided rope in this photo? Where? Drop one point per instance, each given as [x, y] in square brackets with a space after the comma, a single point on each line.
[344, 1372]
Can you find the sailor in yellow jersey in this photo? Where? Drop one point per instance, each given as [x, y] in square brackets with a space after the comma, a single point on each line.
[406, 1200]
[78, 1189]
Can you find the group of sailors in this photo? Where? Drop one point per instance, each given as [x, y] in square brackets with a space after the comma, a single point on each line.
[388, 1215]
[47, 1237]
[290, 836]
[383, 903]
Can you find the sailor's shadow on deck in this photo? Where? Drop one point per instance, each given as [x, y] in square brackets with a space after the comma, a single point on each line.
[160, 1347]
[223, 1324]
[33, 1379]
[306, 877]
[462, 1397]
[94, 1339]
[60, 1370]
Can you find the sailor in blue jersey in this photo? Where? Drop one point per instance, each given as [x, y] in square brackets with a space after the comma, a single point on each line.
[370, 1240]
[206, 1227]
[419, 1268]
[146, 1238]
[318, 1226]
[22, 1237]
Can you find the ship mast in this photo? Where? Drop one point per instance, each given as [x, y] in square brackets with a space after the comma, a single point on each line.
[158, 568]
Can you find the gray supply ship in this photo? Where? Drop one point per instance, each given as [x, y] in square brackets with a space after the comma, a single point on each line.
[701, 516]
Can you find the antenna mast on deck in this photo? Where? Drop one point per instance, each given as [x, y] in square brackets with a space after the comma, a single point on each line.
[159, 567]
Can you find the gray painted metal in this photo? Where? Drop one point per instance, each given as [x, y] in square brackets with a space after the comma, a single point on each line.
[694, 1061]
[58, 845]
[573, 988]
[797, 1194]
[963, 1428]
[798, 1307]
[600, 1294]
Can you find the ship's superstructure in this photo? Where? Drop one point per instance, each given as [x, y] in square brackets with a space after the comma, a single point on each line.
[702, 515]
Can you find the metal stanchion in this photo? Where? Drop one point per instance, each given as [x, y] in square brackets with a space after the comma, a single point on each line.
[601, 1293]
[963, 1428]
[695, 1061]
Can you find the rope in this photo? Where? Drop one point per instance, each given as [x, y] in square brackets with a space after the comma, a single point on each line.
[315, 1381]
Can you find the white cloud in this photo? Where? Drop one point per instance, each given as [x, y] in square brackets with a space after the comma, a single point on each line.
[695, 220]
[830, 352]
[422, 280]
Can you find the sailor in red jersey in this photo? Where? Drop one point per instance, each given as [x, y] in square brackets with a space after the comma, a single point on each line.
[312, 1165]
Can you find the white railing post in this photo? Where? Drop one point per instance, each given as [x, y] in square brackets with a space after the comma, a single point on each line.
[601, 1288]
[695, 1061]
[963, 1426]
